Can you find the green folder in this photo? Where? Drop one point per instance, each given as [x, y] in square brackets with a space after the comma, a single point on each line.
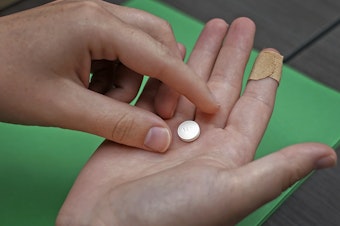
[39, 165]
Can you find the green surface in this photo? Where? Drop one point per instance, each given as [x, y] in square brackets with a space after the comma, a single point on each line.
[38, 165]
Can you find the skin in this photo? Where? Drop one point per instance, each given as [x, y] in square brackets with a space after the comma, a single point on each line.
[47, 54]
[211, 181]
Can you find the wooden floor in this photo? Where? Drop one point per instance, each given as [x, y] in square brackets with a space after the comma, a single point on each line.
[307, 33]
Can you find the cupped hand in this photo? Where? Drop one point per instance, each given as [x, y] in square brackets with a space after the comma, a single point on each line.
[211, 181]
[47, 54]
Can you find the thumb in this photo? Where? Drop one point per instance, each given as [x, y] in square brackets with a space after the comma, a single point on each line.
[94, 113]
[264, 179]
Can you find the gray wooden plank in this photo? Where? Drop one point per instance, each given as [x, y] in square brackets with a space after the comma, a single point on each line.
[27, 4]
[321, 61]
[5, 3]
[22, 5]
[280, 24]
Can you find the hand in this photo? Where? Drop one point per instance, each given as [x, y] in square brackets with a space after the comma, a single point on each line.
[47, 55]
[211, 181]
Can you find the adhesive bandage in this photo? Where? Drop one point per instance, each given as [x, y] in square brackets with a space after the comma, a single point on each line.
[267, 64]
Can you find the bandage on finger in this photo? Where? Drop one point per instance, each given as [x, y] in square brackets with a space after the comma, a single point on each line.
[267, 64]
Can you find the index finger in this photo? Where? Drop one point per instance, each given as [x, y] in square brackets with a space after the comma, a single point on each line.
[154, 26]
[143, 54]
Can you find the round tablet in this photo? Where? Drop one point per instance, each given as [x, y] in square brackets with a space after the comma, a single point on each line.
[188, 131]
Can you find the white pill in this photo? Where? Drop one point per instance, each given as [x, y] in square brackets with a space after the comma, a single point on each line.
[188, 131]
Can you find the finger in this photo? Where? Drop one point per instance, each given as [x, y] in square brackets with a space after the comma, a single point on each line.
[120, 122]
[251, 113]
[157, 27]
[202, 59]
[151, 58]
[226, 77]
[265, 178]
[126, 84]
[166, 98]
[157, 98]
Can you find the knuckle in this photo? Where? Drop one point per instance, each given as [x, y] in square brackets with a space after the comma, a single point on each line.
[88, 9]
[123, 129]
[165, 63]
[164, 30]
[86, 15]
[293, 172]
[260, 98]
[89, 5]
[167, 31]
[296, 175]
[165, 26]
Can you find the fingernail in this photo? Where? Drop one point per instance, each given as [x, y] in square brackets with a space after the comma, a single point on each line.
[326, 162]
[158, 139]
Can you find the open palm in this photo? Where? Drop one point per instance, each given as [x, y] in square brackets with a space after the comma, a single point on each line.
[211, 181]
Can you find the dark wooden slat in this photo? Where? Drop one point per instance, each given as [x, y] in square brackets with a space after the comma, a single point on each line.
[23, 5]
[280, 24]
[6, 3]
[322, 60]
[316, 37]
[27, 4]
